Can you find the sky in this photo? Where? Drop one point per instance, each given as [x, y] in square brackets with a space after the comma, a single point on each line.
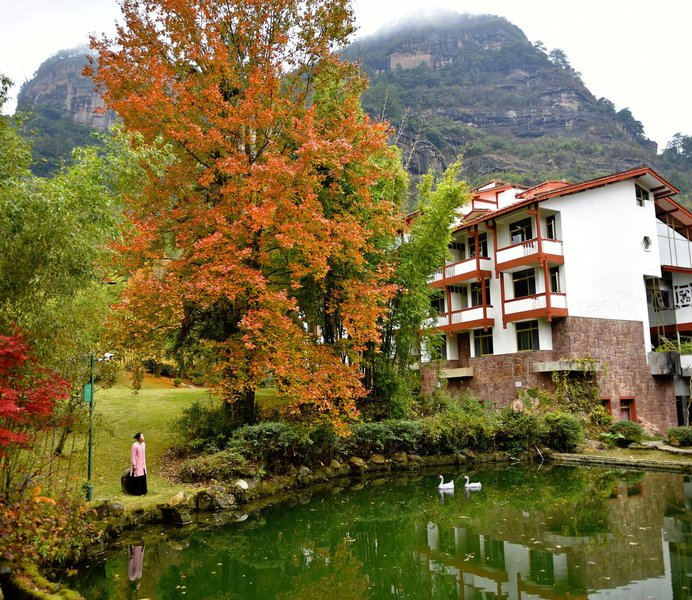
[634, 53]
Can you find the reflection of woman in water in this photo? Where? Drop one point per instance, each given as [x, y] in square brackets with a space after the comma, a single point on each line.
[138, 466]
[136, 556]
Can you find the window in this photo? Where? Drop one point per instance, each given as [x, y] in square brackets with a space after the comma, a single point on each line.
[483, 342]
[482, 244]
[646, 243]
[555, 280]
[477, 293]
[551, 227]
[438, 303]
[524, 283]
[463, 292]
[521, 231]
[641, 194]
[458, 247]
[628, 412]
[527, 336]
[605, 403]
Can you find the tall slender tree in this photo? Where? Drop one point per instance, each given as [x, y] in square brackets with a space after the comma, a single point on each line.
[264, 242]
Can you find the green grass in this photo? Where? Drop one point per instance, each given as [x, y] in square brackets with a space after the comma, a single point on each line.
[118, 415]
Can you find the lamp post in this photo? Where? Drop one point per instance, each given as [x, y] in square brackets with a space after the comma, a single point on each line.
[90, 487]
[89, 397]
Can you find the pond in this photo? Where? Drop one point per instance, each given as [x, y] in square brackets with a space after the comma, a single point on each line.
[531, 532]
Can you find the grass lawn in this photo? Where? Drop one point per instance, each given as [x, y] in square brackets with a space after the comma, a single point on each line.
[119, 414]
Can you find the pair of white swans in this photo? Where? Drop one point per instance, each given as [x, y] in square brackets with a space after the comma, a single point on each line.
[476, 485]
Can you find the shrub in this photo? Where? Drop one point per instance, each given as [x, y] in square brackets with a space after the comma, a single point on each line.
[626, 433]
[562, 431]
[518, 432]
[386, 437]
[680, 436]
[177, 382]
[221, 466]
[455, 430]
[274, 443]
[205, 426]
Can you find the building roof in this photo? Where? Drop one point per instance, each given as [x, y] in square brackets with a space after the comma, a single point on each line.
[667, 209]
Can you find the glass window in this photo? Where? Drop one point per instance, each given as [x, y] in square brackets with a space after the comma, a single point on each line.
[438, 303]
[521, 231]
[483, 342]
[524, 283]
[482, 244]
[555, 280]
[641, 194]
[551, 227]
[477, 293]
[527, 336]
[627, 411]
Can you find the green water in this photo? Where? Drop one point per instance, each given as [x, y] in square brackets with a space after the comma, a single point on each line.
[531, 532]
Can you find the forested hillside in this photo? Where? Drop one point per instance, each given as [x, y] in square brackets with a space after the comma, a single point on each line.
[477, 88]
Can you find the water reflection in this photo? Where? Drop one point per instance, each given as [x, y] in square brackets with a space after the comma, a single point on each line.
[560, 532]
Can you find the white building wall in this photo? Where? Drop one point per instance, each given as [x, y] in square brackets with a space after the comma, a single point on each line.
[602, 231]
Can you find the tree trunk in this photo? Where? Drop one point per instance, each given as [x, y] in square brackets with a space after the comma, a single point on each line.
[242, 409]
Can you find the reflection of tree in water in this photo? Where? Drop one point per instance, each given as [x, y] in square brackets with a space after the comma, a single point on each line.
[341, 571]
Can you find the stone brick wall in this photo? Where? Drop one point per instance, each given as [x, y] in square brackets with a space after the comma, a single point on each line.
[619, 345]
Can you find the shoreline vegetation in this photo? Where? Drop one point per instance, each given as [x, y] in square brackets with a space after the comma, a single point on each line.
[160, 405]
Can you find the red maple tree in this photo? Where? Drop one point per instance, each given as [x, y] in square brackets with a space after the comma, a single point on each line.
[264, 241]
[27, 394]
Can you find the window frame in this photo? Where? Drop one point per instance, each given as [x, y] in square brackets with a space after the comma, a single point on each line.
[476, 291]
[482, 243]
[483, 342]
[530, 328]
[521, 231]
[641, 195]
[528, 276]
[551, 227]
[554, 276]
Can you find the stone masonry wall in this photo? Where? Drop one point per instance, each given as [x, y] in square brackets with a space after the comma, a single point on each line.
[619, 345]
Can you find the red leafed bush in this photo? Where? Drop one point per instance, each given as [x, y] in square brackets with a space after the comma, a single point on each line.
[28, 393]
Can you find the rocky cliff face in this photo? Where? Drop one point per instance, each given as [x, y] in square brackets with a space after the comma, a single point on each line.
[60, 89]
[476, 87]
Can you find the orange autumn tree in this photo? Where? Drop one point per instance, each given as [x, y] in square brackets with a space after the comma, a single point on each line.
[263, 243]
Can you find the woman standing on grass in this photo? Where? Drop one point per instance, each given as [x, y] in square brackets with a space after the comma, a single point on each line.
[138, 466]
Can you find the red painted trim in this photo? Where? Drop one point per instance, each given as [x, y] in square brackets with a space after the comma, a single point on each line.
[671, 329]
[531, 259]
[476, 324]
[536, 313]
[674, 269]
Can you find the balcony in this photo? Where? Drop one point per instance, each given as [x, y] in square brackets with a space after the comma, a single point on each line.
[530, 252]
[536, 306]
[471, 269]
[465, 319]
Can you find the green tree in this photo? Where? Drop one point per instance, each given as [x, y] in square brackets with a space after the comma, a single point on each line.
[407, 331]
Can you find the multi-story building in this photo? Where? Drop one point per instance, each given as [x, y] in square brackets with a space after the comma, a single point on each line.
[545, 277]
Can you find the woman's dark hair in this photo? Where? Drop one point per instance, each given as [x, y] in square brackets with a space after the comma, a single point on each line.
[138, 435]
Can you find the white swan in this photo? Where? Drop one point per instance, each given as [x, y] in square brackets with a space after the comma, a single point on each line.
[471, 486]
[445, 486]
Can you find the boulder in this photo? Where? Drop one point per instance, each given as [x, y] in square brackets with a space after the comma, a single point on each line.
[357, 463]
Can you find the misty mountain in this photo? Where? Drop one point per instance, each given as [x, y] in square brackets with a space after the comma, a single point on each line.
[460, 86]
